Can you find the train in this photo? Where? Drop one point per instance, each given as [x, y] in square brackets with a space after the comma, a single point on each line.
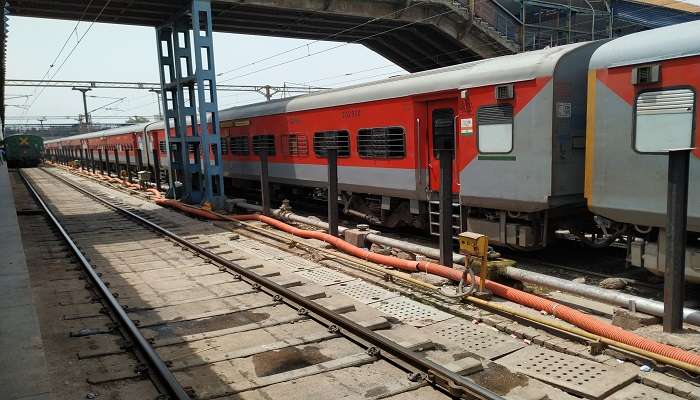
[24, 151]
[546, 141]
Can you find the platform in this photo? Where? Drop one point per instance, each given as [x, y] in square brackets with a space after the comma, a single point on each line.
[23, 369]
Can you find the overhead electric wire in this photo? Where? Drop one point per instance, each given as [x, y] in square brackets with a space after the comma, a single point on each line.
[63, 47]
[107, 105]
[383, 17]
[350, 73]
[336, 47]
[60, 67]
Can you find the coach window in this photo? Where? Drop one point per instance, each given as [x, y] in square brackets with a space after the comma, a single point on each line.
[664, 120]
[339, 140]
[224, 145]
[381, 142]
[239, 145]
[295, 145]
[264, 142]
[495, 129]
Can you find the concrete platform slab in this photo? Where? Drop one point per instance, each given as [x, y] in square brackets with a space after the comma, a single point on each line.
[23, 370]
[575, 375]
[635, 391]
[481, 340]
[364, 292]
[411, 312]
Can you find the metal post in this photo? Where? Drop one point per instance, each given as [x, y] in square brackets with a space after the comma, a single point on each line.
[128, 165]
[446, 207]
[82, 159]
[109, 164]
[332, 191]
[139, 160]
[264, 183]
[156, 168]
[102, 165]
[676, 236]
[160, 104]
[92, 159]
[116, 160]
[85, 108]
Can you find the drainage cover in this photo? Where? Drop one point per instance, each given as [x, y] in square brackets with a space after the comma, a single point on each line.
[411, 312]
[325, 276]
[477, 339]
[363, 291]
[575, 375]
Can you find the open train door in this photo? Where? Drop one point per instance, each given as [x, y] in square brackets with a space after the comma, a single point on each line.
[442, 117]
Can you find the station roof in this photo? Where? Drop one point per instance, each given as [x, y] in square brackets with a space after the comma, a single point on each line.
[417, 47]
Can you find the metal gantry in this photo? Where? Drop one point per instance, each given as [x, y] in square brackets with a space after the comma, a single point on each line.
[189, 99]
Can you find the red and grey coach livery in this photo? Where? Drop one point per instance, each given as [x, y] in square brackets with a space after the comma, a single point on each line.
[642, 95]
[535, 135]
[519, 124]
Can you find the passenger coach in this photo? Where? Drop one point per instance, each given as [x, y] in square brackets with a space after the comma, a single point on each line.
[518, 127]
[643, 97]
[517, 124]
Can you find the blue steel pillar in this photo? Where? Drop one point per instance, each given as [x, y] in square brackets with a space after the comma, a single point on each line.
[193, 149]
[208, 102]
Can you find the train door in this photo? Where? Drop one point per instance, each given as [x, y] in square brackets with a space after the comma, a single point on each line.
[442, 115]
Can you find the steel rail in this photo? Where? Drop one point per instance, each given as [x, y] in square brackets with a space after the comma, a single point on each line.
[420, 368]
[163, 374]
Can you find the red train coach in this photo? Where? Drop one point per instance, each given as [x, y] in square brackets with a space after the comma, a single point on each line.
[517, 124]
[519, 134]
[643, 92]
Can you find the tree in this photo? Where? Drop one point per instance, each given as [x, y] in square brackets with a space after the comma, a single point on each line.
[136, 119]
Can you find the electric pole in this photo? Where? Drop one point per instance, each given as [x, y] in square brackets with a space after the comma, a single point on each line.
[84, 90]
[160, 105]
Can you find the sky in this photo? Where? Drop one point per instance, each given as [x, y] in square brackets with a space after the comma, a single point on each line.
[127, 53]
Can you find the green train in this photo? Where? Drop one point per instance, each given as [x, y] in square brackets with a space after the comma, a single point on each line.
[24, 151]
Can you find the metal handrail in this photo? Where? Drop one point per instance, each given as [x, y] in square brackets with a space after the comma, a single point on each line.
[496, 15]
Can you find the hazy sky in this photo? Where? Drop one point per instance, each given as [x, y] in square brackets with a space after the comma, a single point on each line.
[127, 53]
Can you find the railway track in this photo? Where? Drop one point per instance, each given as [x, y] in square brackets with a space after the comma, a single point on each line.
[211, 363]
[213, 324]
[75, 316]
